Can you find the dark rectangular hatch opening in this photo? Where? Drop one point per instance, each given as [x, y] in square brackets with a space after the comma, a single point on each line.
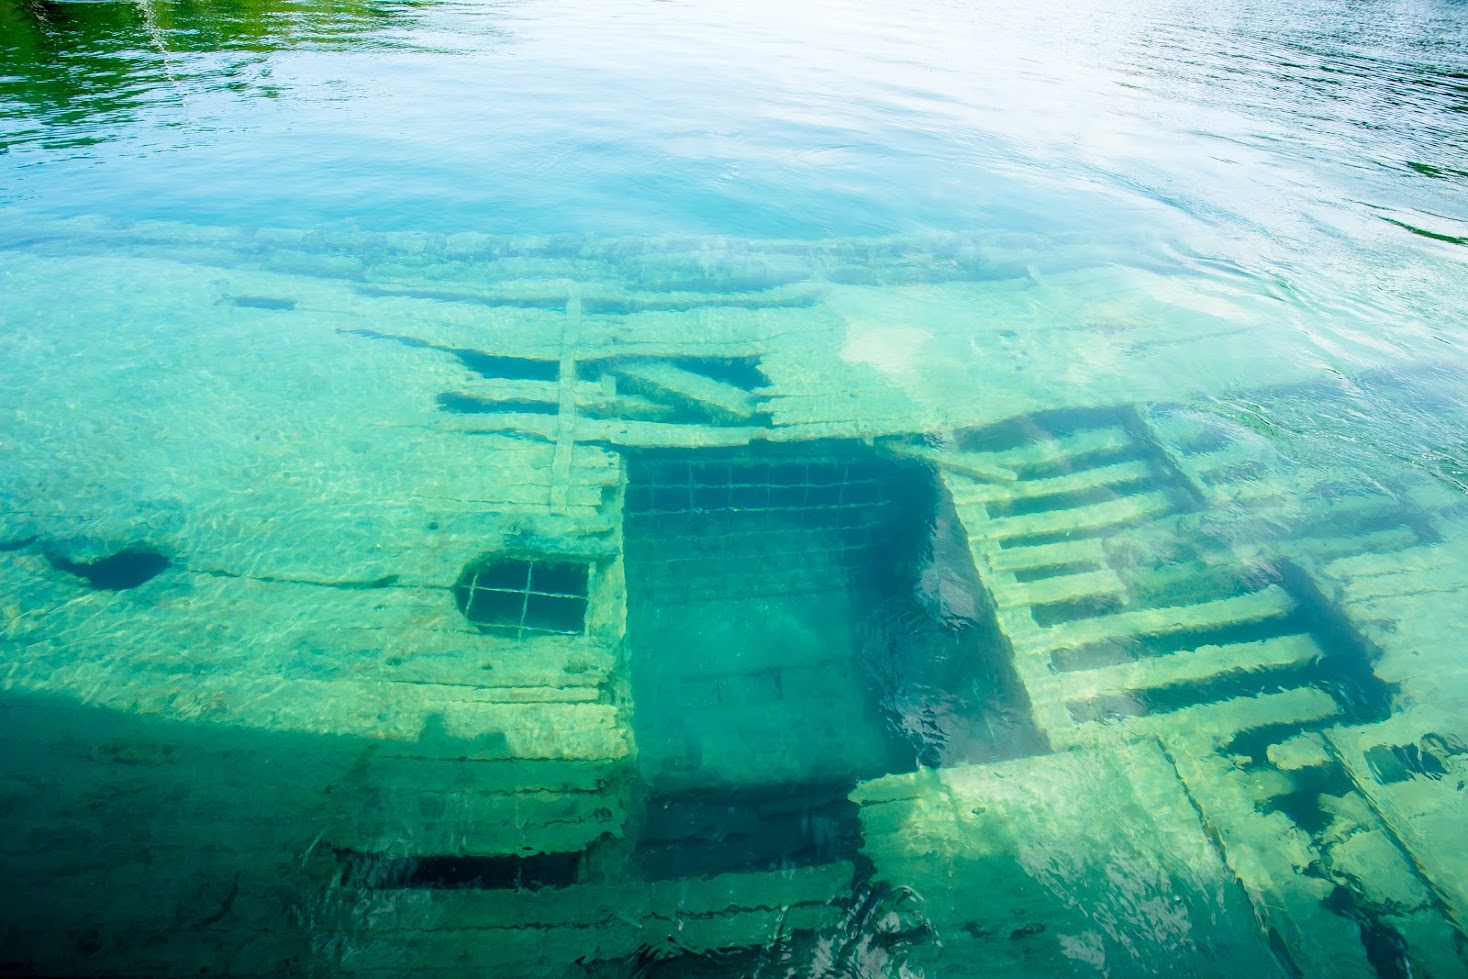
[792, 630]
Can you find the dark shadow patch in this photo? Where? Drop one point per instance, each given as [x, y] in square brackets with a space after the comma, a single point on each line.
[741, 372]
[670, 960]
[1386, 950]
[1343, 671]
[506, 368]
[375, 871]
[263, 302]
[1393, 763]
[1437, 173]
[492, 366]
[474, 299]
[706, 832]
[1136, 647]
[1229, 685]
[471, 405]
[1346, 670]
[467, 404]
[1079, 498]
[1303, 805]
[1058, 537]
[739, 378]
[116, 572]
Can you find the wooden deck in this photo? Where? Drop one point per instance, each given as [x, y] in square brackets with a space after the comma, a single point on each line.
[1261, 684]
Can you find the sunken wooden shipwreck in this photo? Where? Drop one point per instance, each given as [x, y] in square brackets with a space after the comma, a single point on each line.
[338, 674]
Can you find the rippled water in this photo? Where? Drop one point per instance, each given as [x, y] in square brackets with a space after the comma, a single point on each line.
[734, 489]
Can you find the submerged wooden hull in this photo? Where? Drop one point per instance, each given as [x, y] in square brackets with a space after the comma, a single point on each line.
[1242, 704]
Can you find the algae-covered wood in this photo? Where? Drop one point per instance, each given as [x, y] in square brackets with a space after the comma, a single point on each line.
[1004, 855]
[335, 445]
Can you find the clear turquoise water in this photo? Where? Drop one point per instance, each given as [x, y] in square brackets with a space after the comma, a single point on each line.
[260, 720]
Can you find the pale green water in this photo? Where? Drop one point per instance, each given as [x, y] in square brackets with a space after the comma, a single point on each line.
[555, 489]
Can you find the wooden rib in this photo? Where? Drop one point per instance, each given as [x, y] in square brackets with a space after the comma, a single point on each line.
[1266, 851]
[408, 774]
[1374, 565]
[970, 464]
[1094, 516]
[1270, 603]
[702, 392]
[566, 419]
[1064, 588]
[1190, 666]
[1301, 705]
[478, 823]
[588, 904]
[1086, 479]
[1084, 551]
[589, 396]
[1051, 450]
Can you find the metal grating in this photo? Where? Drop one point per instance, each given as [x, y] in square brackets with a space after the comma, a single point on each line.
[756, 487]
[763, 522]
[516, 597]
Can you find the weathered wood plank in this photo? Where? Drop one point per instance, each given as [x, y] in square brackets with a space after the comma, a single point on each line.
[1270, 855]
[1055, 449]
[1425, 814]
[1095, 516]
[1028, 489]
[1020, 843]
[1190, 666]
[1302, 705]
[1270, 603]
[1087, 550]
[970, 464]
[717, 397]
[448, 821]
[589, 905]
[1063, 588]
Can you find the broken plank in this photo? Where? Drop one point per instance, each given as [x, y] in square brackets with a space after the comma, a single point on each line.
[1048, 451]
[1191, 666]
[968, 464]
[1302, 705]
[1271, 857]
[696, 390]
[1063, 588]
[1095, 516]
[444, 820]
[1076, 482]
[1087, 550]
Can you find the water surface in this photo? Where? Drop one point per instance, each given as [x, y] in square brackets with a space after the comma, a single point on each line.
[734, 489]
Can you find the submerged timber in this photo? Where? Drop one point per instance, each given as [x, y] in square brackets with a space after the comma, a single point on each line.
[478, 591]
